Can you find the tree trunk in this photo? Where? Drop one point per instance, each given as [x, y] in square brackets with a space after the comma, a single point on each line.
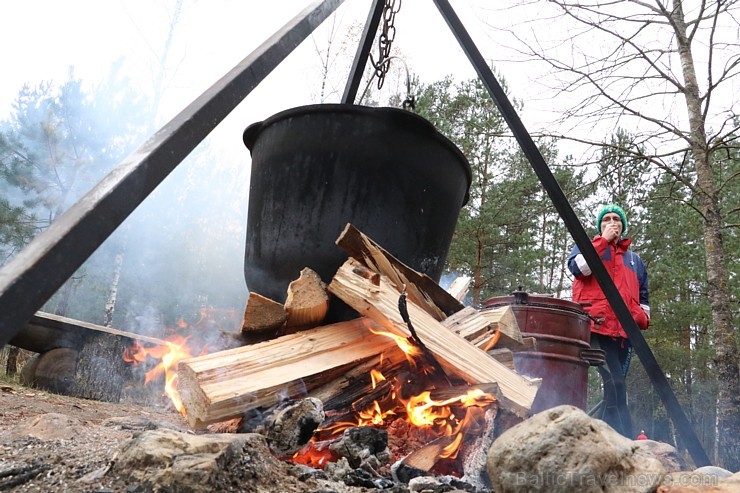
[110, 305]
[688, 369]
[728, 399]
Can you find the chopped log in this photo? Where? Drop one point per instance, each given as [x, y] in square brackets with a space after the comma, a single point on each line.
[459, 287]
[46, 331]
[223, 385]
[262, 315]
[457, 355]
[53, 371]
[506, 322]
[504, 356]
[307, 301]
[484, 329]
[99, 374]
[421, 288]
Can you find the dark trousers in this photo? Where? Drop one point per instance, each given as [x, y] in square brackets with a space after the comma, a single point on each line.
[614, 408]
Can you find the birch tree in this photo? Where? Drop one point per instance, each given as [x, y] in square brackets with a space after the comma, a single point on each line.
[669, 72]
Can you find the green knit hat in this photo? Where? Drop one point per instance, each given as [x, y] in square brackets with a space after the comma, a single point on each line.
[611, 208]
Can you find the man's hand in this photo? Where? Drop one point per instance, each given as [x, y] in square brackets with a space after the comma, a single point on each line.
[611, 233]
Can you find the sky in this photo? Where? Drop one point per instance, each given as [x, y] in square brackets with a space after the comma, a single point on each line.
[48, 37]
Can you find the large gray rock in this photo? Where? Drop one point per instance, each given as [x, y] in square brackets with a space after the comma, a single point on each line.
[564, 450]
[703, 480]
[167, 460]
[665, 453]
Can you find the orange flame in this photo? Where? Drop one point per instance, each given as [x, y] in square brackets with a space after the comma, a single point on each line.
[376, 377]
[174, 350]
[408, 348]
[452, 417]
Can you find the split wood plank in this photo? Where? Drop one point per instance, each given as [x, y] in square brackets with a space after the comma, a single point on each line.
[457, 355]
[503, 356]
[459, 287]
[47, 331]
[506, 322]
[223, 385]
[479, 327]
[421, 288]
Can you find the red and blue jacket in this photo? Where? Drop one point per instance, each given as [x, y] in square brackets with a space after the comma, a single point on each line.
[630, 277]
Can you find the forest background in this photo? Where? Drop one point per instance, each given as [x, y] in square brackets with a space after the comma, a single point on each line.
[639, 132]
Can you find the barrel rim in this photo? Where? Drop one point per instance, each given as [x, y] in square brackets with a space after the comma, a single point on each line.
[536, 301]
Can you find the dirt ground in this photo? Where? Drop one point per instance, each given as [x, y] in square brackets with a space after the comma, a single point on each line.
[56, 443]
[59, 457]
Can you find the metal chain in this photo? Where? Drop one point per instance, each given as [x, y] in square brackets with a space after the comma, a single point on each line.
[385, 40]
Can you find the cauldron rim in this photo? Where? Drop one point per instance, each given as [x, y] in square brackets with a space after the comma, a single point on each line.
[252, 132]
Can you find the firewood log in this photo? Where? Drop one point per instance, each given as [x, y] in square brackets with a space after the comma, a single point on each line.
[421, 288]
[506, 322]
[225, 384]
[459, 287]
[262, 314]
[307, 301]
[480, 327]
[458, 356]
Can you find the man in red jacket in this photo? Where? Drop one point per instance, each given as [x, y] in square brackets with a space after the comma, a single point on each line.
[630, 277]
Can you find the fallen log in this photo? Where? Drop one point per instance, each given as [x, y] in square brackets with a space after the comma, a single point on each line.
[46, 331]
[458, 356]
[223, 385]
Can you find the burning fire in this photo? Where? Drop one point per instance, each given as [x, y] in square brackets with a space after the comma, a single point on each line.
[451, 417]
[175, 349]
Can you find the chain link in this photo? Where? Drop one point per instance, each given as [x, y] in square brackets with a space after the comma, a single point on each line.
[385, 40]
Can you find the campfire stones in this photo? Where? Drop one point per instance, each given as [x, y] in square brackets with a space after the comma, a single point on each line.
[563, 449]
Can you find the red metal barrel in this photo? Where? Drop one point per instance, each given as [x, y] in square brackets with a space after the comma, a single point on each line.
[563, 354]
